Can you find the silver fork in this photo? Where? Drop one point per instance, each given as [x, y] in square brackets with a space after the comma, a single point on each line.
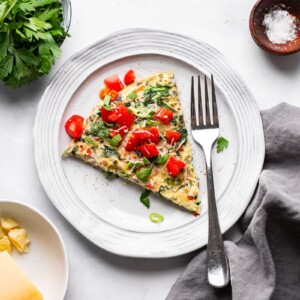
[206, 133]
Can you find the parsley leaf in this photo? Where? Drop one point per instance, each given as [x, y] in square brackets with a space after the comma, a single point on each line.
[30, 36]
[222, 144]
[144, 198]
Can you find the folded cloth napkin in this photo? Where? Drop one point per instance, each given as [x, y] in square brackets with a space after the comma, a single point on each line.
[265, 262]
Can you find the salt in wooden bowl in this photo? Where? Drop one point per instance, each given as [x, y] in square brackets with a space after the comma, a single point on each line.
[258, 29]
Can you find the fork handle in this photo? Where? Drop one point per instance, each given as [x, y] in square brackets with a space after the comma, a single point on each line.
[217, 262]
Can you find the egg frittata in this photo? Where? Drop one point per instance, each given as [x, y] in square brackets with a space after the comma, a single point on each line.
[141, 137]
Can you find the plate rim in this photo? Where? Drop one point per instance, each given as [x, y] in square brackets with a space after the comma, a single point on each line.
[56, 231]
[143, 30]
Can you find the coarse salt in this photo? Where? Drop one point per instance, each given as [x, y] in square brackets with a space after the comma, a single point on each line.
[281, 26]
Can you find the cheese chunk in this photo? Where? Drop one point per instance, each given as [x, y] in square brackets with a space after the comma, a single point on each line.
[14, 284]
[8, 223]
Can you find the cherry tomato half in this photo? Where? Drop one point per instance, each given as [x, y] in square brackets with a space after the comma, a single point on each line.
[74, 126]
[129, 77]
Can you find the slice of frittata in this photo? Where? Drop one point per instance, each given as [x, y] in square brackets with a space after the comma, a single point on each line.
[141, 136]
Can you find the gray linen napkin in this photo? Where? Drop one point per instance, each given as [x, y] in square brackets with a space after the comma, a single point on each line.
[265, 262]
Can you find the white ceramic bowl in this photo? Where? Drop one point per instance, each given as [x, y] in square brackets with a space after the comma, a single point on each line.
[46, 263]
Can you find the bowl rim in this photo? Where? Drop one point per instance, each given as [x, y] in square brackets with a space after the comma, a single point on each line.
[259, 42]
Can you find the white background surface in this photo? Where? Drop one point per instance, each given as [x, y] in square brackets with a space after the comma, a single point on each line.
[95, 274]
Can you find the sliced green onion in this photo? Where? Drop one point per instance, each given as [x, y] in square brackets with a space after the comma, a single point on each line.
[161, 159]
[143, 174]
[156, 218]
[106, 100]
[90, 141]
[115, 140]
[132, 96]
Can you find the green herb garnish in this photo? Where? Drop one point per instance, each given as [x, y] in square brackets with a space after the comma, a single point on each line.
[156, 218]
[184, 135]
[108, 152]
[132, 96]
[99, 129]
[30, 35]
[143, 174]
[110, 174]
[106, 100]
[115, 140]
[222, 144]
[144, 198]
[74, 150]
[88, 140]
[161, 159]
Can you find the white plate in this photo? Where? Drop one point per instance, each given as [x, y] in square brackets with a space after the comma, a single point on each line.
[46, 263]
[108, 211]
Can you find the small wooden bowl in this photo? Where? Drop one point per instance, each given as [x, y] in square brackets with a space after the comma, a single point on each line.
[257, 28]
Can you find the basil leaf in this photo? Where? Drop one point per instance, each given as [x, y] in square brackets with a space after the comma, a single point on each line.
[143, 174]
[132, 96]
[144, 198]
[115, 140]
[161, 159]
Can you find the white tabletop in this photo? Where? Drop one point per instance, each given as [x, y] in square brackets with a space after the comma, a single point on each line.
[94, 273]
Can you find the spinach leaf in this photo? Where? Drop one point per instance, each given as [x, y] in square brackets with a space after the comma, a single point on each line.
[144, 198]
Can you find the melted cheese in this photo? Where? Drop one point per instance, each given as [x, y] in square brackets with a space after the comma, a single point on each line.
[14, 285]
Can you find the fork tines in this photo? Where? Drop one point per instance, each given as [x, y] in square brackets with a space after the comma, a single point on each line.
[208, 122]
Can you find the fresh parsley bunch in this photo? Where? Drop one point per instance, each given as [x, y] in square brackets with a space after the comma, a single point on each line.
[30, 35]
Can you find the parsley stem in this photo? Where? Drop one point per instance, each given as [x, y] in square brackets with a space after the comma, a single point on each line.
[7, 12]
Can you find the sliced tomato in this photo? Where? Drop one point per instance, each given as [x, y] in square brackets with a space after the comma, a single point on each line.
[154, 134]
[132, 143]
[122, 131]
[113, 82]
[107, 91]
[126, 117]
[74, 126]
[147, 135]
[148, 150]
[110, 116]
[119, 115]
[174, 166]
[190, 197]
[163, 115]
[129, 77]
[172, 136]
